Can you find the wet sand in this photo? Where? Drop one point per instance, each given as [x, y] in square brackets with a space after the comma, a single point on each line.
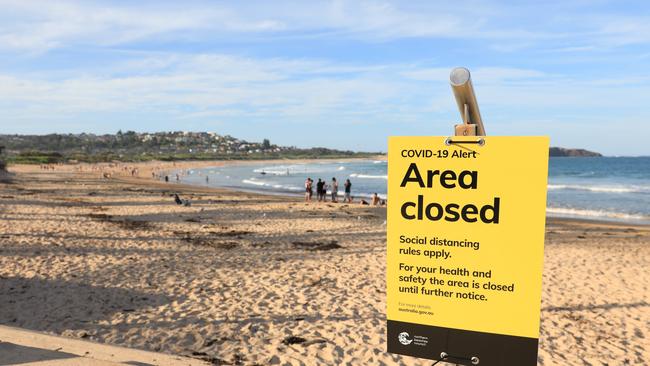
[244, 279]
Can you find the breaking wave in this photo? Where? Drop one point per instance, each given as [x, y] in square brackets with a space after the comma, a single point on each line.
[603, 189]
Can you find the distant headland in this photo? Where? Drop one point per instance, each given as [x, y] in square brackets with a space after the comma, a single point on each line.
[562, 152]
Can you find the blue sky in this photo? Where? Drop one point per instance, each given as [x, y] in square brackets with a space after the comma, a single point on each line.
[341, 74]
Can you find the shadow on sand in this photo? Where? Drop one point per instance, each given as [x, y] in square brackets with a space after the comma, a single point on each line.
[13, 354]
[59, 306]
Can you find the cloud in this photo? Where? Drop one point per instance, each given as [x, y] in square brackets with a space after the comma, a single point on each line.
[41, 26]
[619, 30]
[37, 27]
[484, 74]
[205, 84]
[194, 86]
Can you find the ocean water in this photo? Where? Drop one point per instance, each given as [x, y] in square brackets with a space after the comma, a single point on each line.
[616, 188]
[604, 188]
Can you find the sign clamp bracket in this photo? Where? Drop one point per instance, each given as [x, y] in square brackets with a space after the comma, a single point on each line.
[479, 142]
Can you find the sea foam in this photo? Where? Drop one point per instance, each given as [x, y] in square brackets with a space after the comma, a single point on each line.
[603, 189]
[562, 211]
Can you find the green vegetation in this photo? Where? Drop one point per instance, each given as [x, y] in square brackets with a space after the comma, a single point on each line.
[36, 157]
[166, 146]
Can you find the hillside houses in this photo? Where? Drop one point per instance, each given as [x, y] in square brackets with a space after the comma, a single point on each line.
[130, 142]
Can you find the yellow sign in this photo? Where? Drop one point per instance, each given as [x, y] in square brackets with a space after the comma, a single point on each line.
[465, 247]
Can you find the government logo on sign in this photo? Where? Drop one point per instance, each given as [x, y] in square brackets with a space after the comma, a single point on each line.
[404, 338]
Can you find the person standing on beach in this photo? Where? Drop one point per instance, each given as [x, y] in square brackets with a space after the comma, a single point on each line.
[335, 189]
[319, 189]
[348, 188]
[308, 189]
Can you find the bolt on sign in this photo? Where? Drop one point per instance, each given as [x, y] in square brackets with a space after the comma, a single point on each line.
[466, 222]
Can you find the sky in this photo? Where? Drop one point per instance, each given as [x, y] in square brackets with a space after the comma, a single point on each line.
[338, 74]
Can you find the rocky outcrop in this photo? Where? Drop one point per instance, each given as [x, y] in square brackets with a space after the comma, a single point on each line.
[560, 151]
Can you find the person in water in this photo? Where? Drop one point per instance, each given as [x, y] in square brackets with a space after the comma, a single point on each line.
[335, 190]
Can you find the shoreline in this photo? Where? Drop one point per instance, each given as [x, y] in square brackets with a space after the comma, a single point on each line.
[300, 198]
[149, 167]
[299, 195]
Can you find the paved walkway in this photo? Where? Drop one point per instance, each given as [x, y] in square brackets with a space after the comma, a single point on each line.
[24, 347]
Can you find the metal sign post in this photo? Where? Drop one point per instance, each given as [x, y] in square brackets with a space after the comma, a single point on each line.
[461, 85]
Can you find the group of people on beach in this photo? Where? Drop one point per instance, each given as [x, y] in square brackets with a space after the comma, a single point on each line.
[322, 187]
[325, 191]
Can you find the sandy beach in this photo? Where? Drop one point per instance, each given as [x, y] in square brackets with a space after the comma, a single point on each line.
[248, 279]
